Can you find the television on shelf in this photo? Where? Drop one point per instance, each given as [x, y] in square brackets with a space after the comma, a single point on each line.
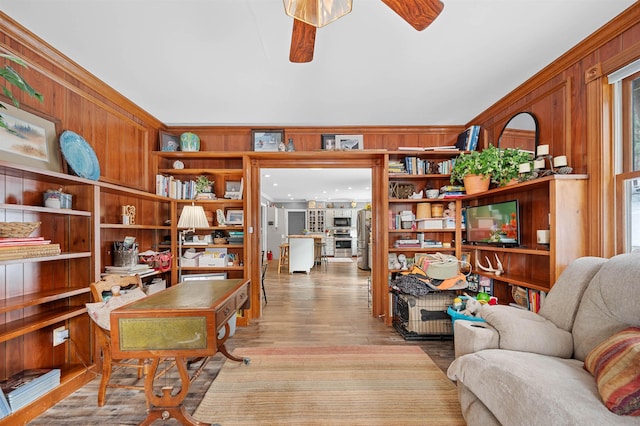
[493, 224]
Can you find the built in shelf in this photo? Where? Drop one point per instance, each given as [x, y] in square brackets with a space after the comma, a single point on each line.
[62, 256]
[517, 250]
[34, 299]
[142, 227]
[39, 209]
[26, 325]
[202, 171]
[516, 280]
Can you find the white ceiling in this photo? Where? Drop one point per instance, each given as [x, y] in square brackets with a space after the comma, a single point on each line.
[331, 185]
[226, 62]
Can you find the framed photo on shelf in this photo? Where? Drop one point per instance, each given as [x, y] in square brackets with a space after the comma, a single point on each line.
[234, 217]
[169, 142]
[233, 189]
[32, 139]
[328, 142]
[349, 142]
[266, 140]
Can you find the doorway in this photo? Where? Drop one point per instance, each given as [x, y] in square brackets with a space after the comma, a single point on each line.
[372, 163]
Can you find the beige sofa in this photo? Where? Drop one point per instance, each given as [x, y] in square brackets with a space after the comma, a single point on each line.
[522, 368]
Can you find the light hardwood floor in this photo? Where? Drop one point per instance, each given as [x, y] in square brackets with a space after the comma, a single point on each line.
[330, 306]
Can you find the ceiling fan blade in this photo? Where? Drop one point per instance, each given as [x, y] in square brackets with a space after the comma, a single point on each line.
[418, 13]
[303, 39]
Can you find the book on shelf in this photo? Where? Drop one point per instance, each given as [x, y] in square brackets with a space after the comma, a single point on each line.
[468, 140]
[28, 385]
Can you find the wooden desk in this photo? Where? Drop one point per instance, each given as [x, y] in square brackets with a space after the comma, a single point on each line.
[181, 321]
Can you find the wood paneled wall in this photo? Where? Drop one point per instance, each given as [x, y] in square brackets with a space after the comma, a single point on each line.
[575, 119]
[116, 128]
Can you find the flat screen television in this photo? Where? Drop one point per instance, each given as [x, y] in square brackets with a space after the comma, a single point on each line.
[494, 224]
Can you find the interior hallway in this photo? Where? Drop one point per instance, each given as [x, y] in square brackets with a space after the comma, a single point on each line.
[327, 307]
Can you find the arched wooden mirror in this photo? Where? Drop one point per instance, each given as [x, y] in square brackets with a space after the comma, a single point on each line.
[521, 131]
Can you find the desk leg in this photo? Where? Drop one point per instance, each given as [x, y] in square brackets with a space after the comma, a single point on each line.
[166, 406]
[223, 349]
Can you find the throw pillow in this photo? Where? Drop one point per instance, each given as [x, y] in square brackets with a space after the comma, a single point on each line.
[100, 311]
[615, 364]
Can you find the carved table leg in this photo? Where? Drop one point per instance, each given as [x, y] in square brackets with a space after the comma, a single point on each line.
[223, 349]
[166, 406]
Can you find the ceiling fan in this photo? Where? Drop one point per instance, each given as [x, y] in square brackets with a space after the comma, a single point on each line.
[311, 14]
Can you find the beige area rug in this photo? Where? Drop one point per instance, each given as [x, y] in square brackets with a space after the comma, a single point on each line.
[339, 260]
[352, 385]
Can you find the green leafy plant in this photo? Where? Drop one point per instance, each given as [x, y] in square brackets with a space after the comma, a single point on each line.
[12, 77]
[510, 161]
[484, 163]
[203, 184]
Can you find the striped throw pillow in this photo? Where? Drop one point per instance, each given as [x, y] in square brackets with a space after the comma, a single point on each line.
[615, 364]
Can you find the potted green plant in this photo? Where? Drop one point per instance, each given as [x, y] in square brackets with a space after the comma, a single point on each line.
[476, 168]
[510, 161]
[204, 185]
[12, 77]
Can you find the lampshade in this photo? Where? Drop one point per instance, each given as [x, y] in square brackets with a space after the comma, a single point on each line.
[317, 12]
[193, 217]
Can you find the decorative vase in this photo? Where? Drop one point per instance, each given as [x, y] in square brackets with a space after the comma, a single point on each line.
[189, 142]
[474, 184]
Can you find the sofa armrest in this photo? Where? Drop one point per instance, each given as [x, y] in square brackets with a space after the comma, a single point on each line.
[522, 330]
[473, 336]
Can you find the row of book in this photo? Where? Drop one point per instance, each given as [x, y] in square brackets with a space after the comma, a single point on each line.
[25, 387]
[533, 301]
[418, 166]
[26, 247]
[168, 186]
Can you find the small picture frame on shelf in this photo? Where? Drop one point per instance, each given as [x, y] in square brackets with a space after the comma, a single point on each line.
[233, 189]
[328, 142]
[349, 142]
[234, 217]
[169, 142]
[266, 140]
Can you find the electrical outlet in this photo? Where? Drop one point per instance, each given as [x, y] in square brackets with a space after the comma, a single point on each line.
[60, 334]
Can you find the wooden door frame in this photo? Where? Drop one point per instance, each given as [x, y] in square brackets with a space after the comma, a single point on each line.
[375, 160]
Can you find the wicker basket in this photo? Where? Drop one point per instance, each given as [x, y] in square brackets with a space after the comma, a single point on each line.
[17, 229]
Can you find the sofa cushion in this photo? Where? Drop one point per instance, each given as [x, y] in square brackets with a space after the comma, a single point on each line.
[615, 363]
[609, 305]
[561, 304]
[522, 388]
[522, 330]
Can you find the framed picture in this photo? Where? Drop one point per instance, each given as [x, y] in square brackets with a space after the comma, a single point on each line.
[266, 140]
[234, 217]
[31, 139]
[233, 189]
[349, 142]
[328, 142]
[169, 142]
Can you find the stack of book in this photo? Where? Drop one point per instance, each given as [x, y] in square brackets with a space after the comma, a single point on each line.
[452, 191]
[468, 140]
[407, 244]
[26, 386]
[141, 269]
[396, 166]
[25, 247]
[235, 237]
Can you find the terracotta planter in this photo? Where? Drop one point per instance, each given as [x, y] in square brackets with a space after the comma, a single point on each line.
[474, 184]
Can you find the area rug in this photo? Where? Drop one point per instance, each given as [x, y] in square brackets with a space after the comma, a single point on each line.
[339, 260]
[352, 385]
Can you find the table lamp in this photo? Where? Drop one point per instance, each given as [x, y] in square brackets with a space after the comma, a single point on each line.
[191, 217]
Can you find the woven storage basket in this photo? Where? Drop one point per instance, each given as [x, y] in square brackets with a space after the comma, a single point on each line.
[17, 229]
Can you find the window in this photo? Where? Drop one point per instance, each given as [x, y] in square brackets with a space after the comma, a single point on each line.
[626, 85]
